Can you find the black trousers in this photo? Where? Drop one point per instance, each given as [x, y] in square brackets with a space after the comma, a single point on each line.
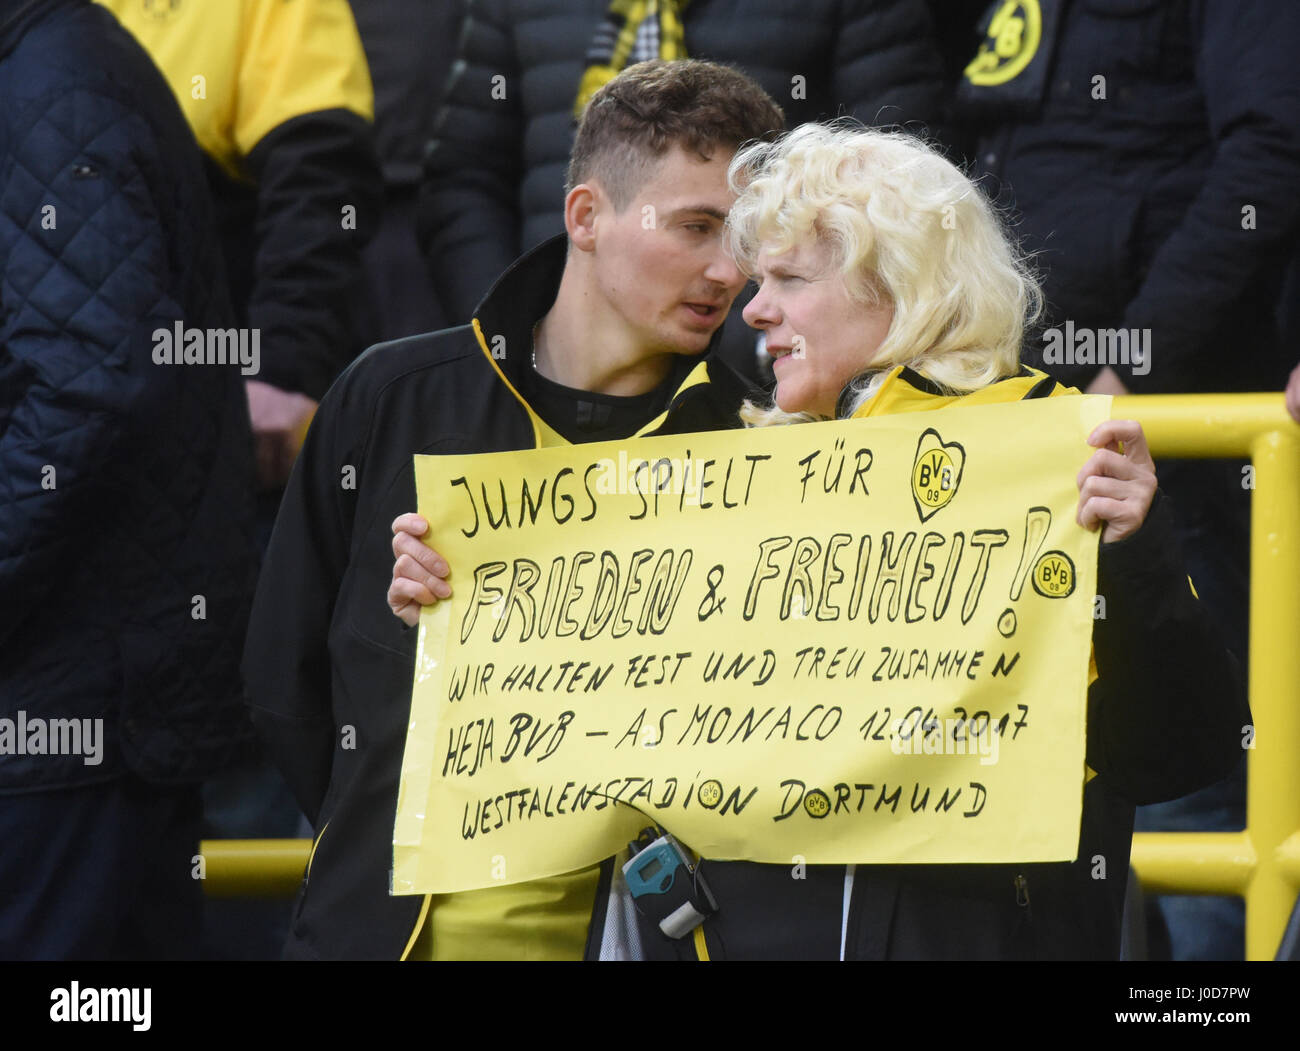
[102, 872]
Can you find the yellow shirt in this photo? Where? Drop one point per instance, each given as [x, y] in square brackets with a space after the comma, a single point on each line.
[240, 68]
[543, 919]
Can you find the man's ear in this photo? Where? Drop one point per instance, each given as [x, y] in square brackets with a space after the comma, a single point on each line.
[582, 206]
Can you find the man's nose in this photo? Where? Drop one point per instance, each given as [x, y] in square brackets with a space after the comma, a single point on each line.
[724, 271]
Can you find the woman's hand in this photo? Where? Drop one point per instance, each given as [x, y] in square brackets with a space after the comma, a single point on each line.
[1116, 487]
[419, 572]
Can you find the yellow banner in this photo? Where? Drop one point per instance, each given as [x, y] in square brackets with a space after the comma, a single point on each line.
[861, 641]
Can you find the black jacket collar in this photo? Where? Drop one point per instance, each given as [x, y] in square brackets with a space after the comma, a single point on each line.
[518, 300]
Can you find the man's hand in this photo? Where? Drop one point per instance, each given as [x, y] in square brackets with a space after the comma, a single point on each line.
[1293, 394]
[1107, 381]
[280, 421]
[419, 572]
[1116, 487]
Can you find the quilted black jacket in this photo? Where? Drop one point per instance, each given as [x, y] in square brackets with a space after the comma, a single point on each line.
[494, 174]
[1170, 203]
[126, 559]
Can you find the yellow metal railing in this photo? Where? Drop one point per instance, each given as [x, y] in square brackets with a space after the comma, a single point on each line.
[253, 868]
[1261, 863]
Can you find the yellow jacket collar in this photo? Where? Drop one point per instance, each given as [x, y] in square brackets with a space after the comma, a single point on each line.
[905, 390]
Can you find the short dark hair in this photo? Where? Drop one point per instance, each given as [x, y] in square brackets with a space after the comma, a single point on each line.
[633, 120]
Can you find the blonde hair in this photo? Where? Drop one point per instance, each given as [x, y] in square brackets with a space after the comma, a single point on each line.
[905, 227]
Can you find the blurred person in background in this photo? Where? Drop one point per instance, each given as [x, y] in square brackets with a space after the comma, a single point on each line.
[1151, 152]
[280, 99]
[524, 69]
[410, 45]
[126, 548]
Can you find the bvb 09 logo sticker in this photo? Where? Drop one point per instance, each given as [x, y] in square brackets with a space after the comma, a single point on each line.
[1010, 44]
[1053, 575]
[936, 473]
[817, 803]
[710, 793]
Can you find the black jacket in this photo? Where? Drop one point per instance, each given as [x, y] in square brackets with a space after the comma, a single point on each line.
[494, 174]
[1170, 203]
[325, 655]
[124, 484]
[410, 45]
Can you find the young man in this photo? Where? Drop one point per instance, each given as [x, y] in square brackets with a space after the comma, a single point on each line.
[591, 337]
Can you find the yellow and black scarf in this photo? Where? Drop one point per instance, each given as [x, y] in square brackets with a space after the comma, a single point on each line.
[633, 31]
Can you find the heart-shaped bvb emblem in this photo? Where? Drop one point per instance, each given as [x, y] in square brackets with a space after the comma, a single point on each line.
[936, 473]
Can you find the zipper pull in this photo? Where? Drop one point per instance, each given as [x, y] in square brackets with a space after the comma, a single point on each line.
[1022, 892]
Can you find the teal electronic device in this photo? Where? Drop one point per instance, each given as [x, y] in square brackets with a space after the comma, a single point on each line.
[665, 886]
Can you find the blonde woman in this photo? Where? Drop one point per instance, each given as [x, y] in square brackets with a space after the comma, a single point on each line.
[888, 284]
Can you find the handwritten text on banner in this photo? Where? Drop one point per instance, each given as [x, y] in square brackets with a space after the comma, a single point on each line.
[844, 642]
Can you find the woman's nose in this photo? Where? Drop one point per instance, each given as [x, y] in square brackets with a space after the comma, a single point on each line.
[759, 311]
